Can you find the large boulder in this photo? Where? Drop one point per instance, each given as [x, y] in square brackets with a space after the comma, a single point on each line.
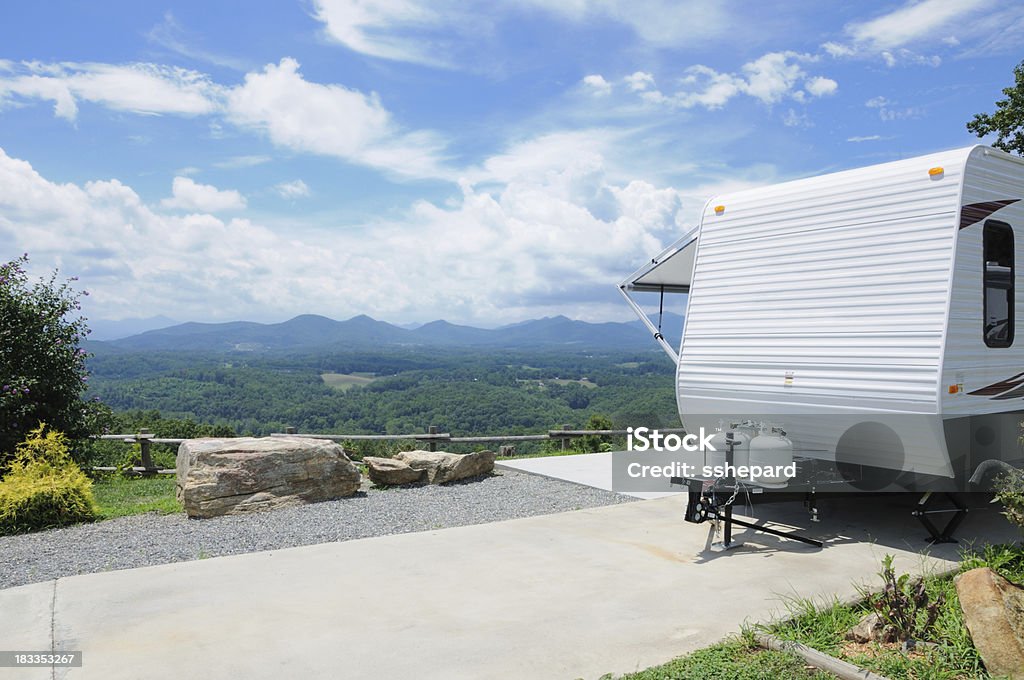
[234, 476]
[442, 467]
[428, 467]
[994, 613]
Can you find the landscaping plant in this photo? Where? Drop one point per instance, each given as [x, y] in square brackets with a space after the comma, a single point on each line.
[1009, 488]
[43, 487]
[906, 605]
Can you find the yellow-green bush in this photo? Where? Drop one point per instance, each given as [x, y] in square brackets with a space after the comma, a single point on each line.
[43, 487]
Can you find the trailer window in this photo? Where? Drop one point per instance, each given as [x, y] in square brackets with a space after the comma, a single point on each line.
[999, 284]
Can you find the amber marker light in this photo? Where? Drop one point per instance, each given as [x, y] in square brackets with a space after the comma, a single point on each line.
[719, 209]
[935, 172]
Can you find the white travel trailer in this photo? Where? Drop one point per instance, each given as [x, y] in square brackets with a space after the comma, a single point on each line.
[869, 313]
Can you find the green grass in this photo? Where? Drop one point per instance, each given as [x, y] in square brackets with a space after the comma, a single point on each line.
[346, 381]
[954, 657]
[823, 626]
[118, 496]
[736, 659]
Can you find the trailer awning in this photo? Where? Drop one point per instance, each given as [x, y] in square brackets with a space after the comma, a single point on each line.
[669, 272]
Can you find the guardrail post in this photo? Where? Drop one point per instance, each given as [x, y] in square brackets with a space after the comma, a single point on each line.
[565, 440]
[143, 437]
[432, 445]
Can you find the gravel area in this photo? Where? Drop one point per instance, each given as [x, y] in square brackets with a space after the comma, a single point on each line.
[144, 540]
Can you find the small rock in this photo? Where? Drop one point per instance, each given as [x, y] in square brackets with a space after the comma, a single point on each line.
[392, 472]
[994, 613]
[872, 628]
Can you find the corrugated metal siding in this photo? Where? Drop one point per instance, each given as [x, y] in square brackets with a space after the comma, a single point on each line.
[989, 177]
[841, 280]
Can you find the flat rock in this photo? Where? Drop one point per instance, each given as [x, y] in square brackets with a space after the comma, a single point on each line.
[441, 467]
[994, 613]
[392, 472]
[244, 474]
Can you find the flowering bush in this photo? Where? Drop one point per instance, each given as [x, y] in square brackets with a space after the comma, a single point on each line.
[42, 365]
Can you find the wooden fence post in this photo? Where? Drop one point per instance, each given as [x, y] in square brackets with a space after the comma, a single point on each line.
[565, 440]
[143, 437]
[432, 444]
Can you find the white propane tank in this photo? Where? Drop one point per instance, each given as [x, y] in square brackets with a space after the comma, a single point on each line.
[771, 449]
[741, 436]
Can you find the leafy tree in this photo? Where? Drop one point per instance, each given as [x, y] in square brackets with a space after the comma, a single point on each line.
[42, 366]
[1008, 120]
[595, 442]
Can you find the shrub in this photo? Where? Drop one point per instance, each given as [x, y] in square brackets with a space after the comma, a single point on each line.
[906, 604]
[44, 488]
[1009, 488]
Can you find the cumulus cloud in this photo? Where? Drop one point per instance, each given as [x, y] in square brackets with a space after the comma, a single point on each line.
[277, 101]
[639, 81]
[770, 78]
[190, 195]
[330, 120]
[597, 84]
[820, 87]
[519, 241]
[291, 190]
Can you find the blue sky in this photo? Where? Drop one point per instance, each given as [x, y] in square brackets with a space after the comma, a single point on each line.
[482, 162]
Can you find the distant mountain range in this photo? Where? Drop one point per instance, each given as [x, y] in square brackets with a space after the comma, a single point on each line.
[310, 331]
[103, 329]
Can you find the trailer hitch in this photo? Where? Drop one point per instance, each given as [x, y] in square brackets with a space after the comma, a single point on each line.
[702, 506]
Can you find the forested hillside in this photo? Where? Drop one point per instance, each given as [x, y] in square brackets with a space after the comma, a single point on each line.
[392, 391]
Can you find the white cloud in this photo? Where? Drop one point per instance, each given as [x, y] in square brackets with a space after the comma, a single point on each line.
[865, 138]
[292, 190]
[330, 120]
[911, 23]
[821, 87]
[770, 78]
[141, 88]
[662, 23]
[171, 35]
[294, 113]
[401, 30]
[247, 161]
[544, 237]
[190, 195]
[433, 32]
[913, 32]
[639, 81]
[793, 119]
[597, 84]
[888, 111]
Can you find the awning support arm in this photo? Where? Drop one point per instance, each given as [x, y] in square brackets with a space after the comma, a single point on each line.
[650, 326]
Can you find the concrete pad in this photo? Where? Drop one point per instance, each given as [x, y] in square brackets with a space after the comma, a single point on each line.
[588, 469]
[25, 626]
[571, 595]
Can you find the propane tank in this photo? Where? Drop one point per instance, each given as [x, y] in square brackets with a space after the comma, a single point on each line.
[741, 435]
[771, 449]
